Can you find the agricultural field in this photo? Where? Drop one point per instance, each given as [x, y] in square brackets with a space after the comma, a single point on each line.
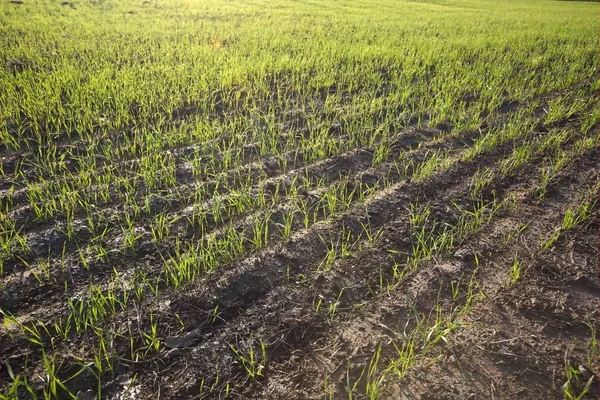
[320, 199]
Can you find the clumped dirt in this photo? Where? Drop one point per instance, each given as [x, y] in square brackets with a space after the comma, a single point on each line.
[321, 328]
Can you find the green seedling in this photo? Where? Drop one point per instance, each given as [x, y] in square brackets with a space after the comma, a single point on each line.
[251, 362]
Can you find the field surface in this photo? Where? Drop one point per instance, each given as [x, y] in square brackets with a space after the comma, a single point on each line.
[321, 199]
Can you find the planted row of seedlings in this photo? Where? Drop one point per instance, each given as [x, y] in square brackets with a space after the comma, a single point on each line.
[227, 246]
[166, 145]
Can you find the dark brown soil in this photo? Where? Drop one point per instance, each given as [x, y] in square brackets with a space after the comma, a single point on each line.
[321, 329]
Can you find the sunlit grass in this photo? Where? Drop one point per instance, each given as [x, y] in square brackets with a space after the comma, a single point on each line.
[204, 133]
